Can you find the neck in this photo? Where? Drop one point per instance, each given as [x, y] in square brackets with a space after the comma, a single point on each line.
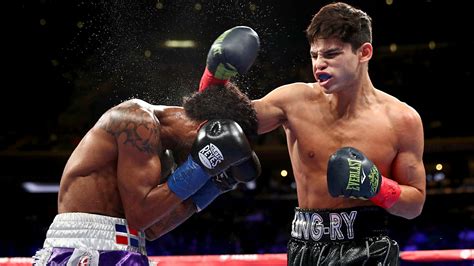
[177, 130]
[357, 95]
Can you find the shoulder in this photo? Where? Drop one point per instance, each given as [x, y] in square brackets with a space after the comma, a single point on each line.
[134, 109]
[130, 114]
[400, 113]
[298, 87]
[409, 118]
[294, 92]
[133, 104]
[406, 126]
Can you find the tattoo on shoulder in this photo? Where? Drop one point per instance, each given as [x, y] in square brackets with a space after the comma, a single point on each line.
[138, 125]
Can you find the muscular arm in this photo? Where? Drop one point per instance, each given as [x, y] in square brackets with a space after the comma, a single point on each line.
[270, 113]
[272, 108]
[136, 132]
[171, 221]
[408, 169]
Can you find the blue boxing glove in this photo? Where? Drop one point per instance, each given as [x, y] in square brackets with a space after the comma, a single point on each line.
[219, 144]
[226, 181]
[232, 53]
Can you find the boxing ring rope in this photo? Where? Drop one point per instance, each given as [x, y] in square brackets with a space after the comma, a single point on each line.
[273, 259]
[438, 255]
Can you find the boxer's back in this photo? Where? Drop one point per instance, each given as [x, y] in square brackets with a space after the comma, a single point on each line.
[89, 180]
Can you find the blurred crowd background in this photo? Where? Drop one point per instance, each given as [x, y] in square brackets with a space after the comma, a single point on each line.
[66, 62]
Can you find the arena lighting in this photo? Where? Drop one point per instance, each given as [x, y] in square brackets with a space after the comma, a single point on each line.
[439, 176]
[180, 44]
[35, 187]
[393, 47]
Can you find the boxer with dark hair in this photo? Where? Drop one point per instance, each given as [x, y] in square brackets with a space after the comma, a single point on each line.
[230, 96]
[143, 169]
[356, 151]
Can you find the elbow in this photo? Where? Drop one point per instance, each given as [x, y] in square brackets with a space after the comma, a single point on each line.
[412, 206]
[136, 224]
[414, 213]
[418, 206]
[138, 221]
[151, 235]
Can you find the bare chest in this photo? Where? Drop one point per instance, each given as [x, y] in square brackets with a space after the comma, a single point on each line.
[312, 139]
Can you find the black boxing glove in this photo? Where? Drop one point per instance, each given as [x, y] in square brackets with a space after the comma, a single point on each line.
[219, 144]
[246, 171]
[226, 181]
[351, 174]
[232, 53]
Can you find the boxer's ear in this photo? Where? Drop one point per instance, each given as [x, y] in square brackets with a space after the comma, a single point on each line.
[365, 52]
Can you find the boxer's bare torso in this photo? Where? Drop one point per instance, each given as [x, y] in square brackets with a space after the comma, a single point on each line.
[316, 127]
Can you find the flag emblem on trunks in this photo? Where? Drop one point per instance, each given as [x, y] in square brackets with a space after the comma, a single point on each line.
[126, 236]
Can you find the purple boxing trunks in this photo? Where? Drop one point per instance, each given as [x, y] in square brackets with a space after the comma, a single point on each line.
[71, 256]
[91, 239]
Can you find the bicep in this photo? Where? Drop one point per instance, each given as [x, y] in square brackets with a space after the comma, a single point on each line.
[138, 172]
[408, 168]
[270, 111]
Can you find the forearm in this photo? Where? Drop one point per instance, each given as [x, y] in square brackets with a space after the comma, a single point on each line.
[410, 203]
[403, 196]
[169, 222]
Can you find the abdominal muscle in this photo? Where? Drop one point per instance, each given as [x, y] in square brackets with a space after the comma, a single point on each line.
[309, 157]
[312, 192]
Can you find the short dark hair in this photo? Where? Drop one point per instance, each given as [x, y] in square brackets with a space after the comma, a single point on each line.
[223, 102]
[342, 21]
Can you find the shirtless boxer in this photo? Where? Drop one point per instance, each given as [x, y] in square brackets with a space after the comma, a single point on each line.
[334, 128]
[121, 183]
[356, 151]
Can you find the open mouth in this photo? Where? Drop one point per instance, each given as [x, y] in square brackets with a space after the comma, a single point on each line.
[323, 77]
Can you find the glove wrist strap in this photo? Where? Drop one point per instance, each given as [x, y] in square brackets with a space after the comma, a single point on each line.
[208, 79]
[187, 179]
[388, 195]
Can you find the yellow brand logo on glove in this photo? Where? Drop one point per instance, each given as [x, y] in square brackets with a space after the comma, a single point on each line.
[354, 174]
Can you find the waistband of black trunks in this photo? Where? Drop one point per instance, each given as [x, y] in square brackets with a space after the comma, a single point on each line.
[329, 225]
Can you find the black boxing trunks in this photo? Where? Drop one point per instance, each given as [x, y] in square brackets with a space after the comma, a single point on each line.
[353, 236]
[91, 239]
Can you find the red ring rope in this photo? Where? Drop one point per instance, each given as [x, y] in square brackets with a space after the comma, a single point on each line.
[272, 259]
